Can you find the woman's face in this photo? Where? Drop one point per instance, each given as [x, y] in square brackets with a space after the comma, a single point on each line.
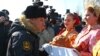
[69, 21]
[90, 18]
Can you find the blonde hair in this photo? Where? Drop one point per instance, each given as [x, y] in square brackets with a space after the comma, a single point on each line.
[94, 7]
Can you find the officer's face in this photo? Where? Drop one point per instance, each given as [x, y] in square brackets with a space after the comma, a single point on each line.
[39, 23]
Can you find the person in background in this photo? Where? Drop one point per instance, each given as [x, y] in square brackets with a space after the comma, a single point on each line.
[54, 25]
[6, 12]
[3, 34]
[68, 34]
[46, 35]
[8, 22]
[23, 33]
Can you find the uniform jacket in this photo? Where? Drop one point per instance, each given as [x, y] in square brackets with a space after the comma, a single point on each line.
[23, 42]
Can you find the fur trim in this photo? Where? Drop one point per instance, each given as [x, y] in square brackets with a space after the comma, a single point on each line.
[25, 22]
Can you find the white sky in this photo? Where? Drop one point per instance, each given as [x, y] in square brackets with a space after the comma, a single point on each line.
[16, 7]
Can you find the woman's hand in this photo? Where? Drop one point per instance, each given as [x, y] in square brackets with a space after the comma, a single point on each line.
[58, 40]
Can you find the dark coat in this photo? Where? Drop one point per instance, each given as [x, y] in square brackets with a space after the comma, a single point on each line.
[3, 39]
[22, 42]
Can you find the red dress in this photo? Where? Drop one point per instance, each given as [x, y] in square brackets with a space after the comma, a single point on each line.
[65, 38]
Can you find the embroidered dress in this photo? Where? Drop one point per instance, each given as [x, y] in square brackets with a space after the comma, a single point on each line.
[65, 39]
[87, 39]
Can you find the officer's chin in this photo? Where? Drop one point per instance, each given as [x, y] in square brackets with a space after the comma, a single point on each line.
[1, 23]
[40, 30]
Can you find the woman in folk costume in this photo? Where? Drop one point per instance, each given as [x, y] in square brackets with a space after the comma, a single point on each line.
[88, 37]
[67, 36]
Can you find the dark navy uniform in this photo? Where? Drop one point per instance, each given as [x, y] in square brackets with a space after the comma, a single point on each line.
[22, 42]
[23, 39]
